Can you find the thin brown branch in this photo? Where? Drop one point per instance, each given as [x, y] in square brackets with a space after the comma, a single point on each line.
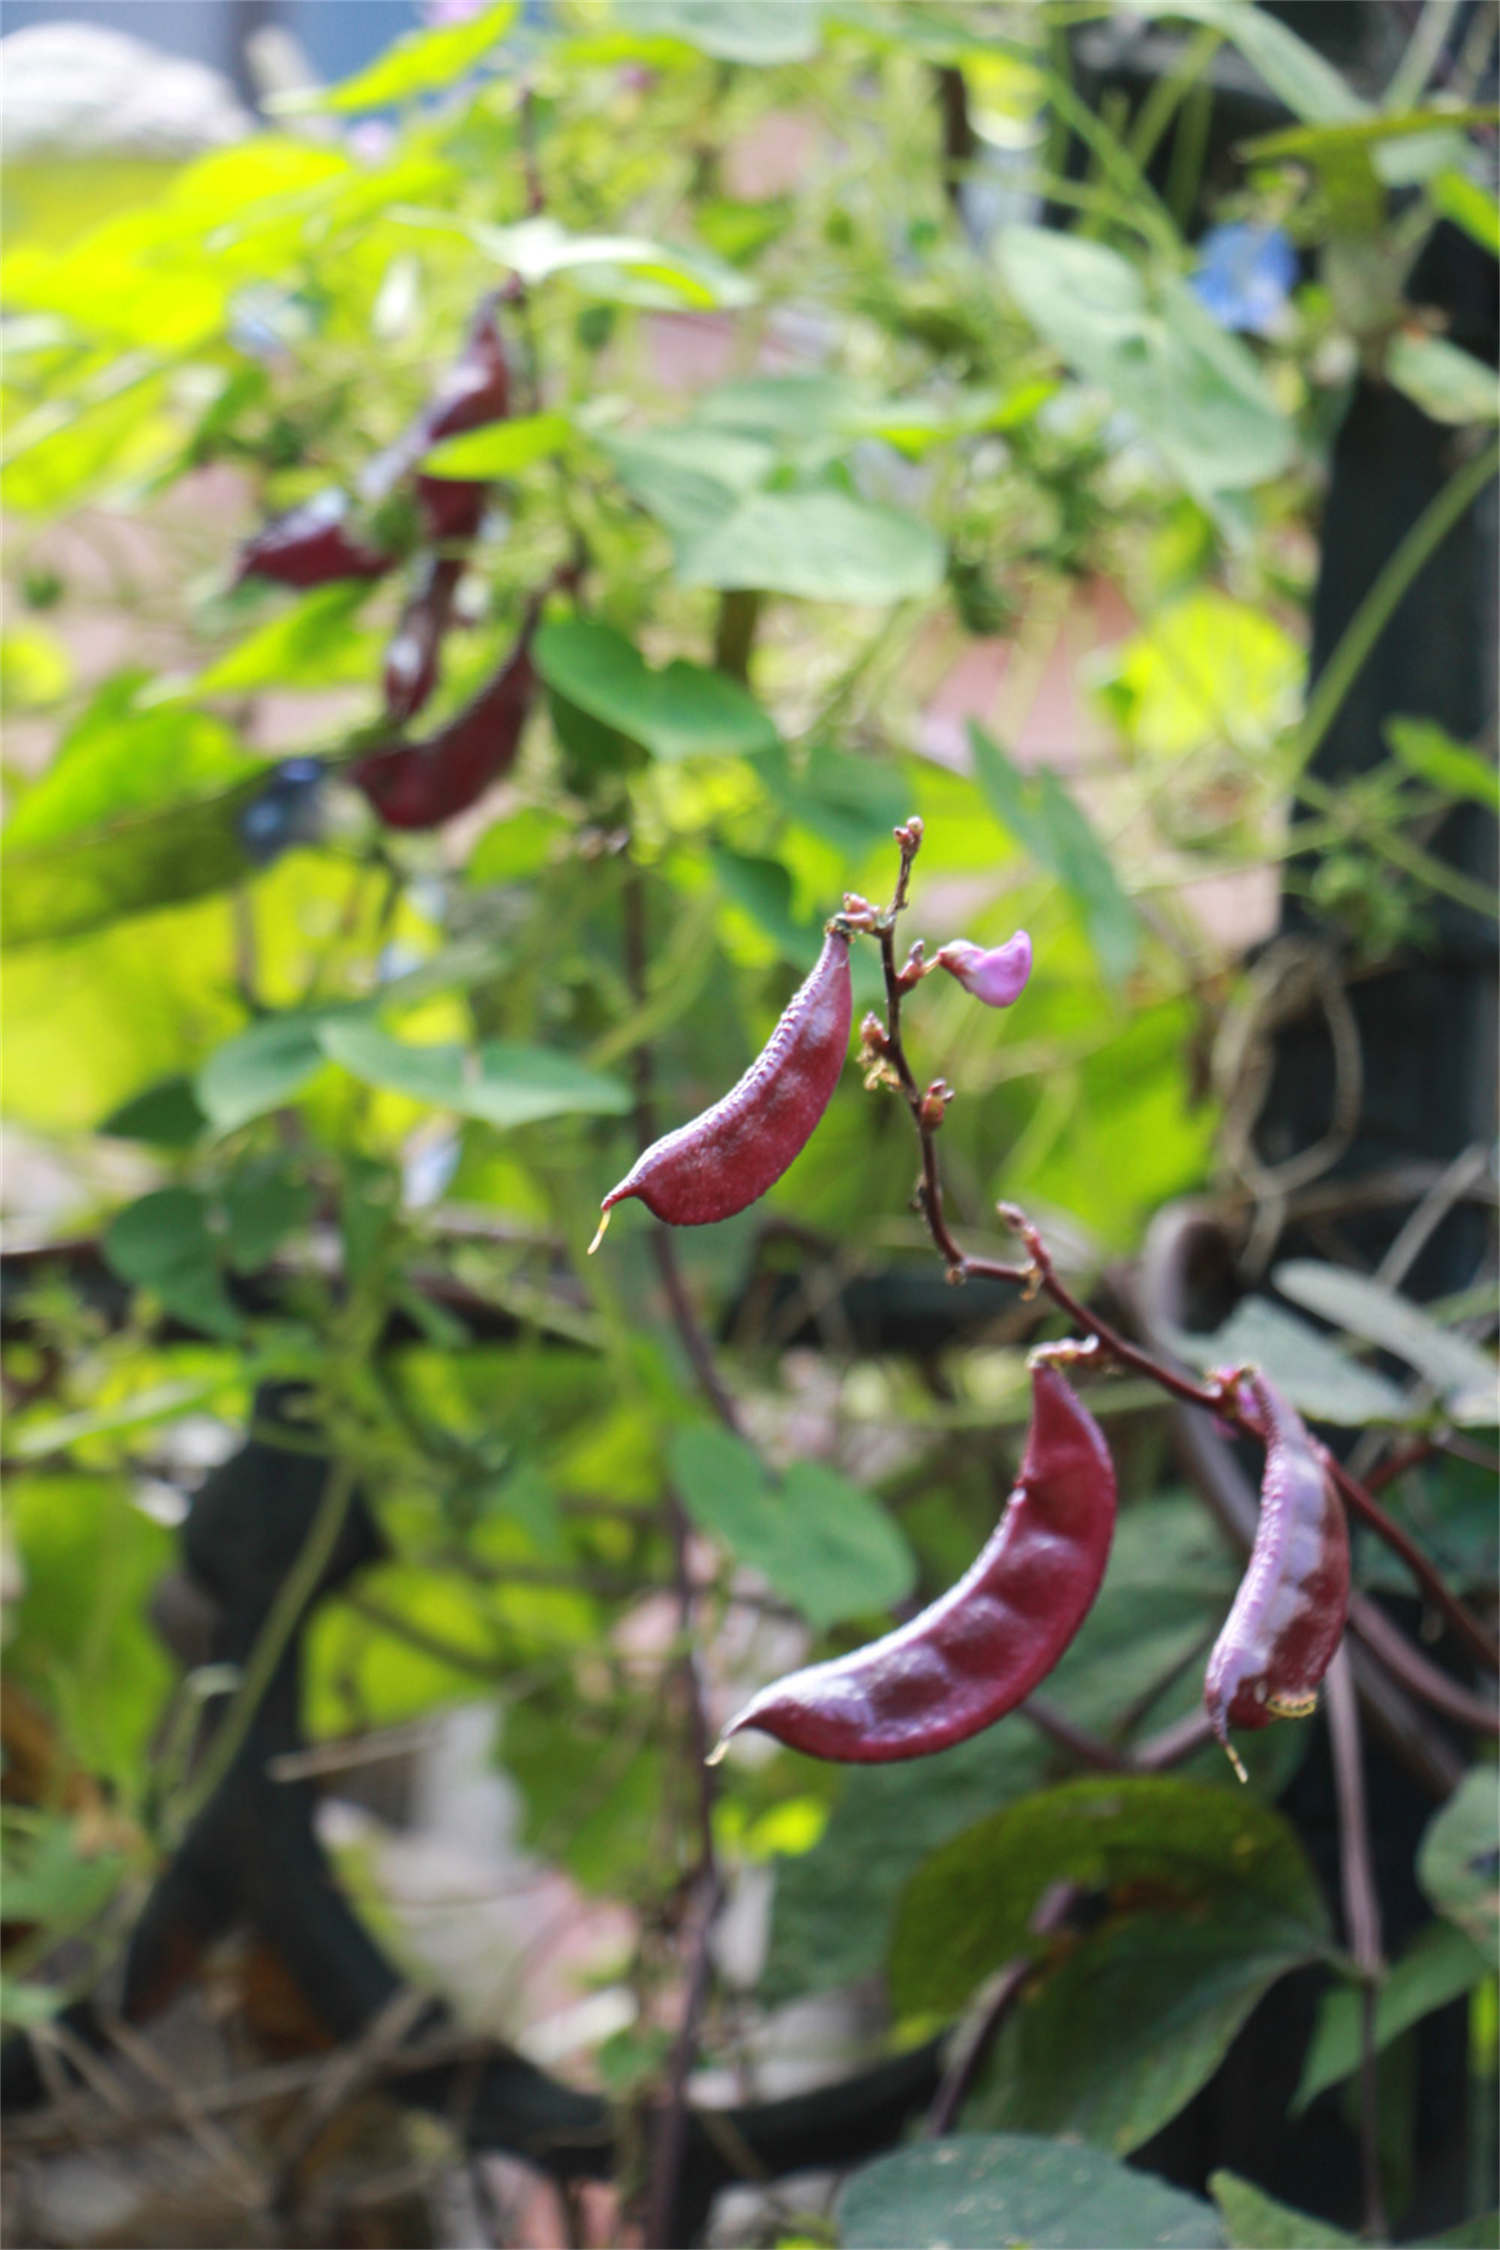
[974, 2043]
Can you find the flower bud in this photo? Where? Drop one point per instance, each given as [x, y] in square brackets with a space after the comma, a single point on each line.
[996, 977]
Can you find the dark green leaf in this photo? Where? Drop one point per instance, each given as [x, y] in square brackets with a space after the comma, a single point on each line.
[502, 1082]
[977, 2191]
[164, 1243]
[166, 1115]
[1256, 2221]
[262, 1206]
[966, 1910]
[1439, 1966]
[823, 546]
[762, 888]
[1458, 1865]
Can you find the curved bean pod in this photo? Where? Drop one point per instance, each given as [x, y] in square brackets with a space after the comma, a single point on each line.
[980, 1650]
[728, 1156]
[1288, 1616]
[414, 649]
[422, 784]
[312, 545]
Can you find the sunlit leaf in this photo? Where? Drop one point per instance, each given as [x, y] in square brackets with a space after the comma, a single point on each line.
[972, 2191]
[822, 545]
[419, 62]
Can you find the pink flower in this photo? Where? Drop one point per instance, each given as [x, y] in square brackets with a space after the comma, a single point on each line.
[996, 977]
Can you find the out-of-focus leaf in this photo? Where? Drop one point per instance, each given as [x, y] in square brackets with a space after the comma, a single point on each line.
[59, 1433]
[166, 1115]
[821, 545]
[1458, 1865]
[263, 1204]
[35, 668]
[1204, 668]
[1466, 1378]
[262, 1068]
[1469, 206]
[1256, 2221]
[1196, 393]
[1430, 752]
[848, 800]
[1208, 1901]
[1448, 384]
[316, 643]
[972, 2191]
[818, 1539]
[164, 1243]
[762, 888]
[419, 62]
[607, 264]
[681, 711]
[503, 1083]
[689, 478]
[80, 1638]
[1049, 823]
[500, 448]
[1318, 1379]
[1306, 81]
[742, 31]
[138, 809]
[1440, 1965]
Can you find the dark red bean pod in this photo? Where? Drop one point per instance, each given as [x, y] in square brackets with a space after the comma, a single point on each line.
[311, 546]
[422, 784]
[475, 390]
[732, 1153]
[1288, 1617]
[414, 649]
[979, 1651]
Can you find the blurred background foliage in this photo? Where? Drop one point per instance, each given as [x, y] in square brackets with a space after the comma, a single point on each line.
[886, 497]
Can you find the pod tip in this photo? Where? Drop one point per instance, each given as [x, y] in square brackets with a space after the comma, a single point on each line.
[599, 1232]
[1236, 1761]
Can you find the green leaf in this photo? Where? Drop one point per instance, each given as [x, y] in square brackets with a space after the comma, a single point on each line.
[1316, 1376]
[832, 1908]
[502, 1083]
[1438, 1966]
[847, 799]
[35, 669]
[419, 62]
[164, 1243]
[59, 1433]
[817, 1538]
[1205, 668]
[973, 2191]
[680, 712]
[1048, 823]
[762, 888]
[689, 478]
[608, 264]
[78, 1636]
[742, 31]
[261, 1069]
[1448, 384]
[1256, 2221]
[1482, 2232]
[1305, 80]
[822, 545]
[138, 809]
[1197, 393]
[1458, 1865]
[262, 1206]
[166, 1115]
[1429, 751]
[1466, 1378]
[314, 644]
[1469, 206]
[500, 448]
[1208, 1900]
